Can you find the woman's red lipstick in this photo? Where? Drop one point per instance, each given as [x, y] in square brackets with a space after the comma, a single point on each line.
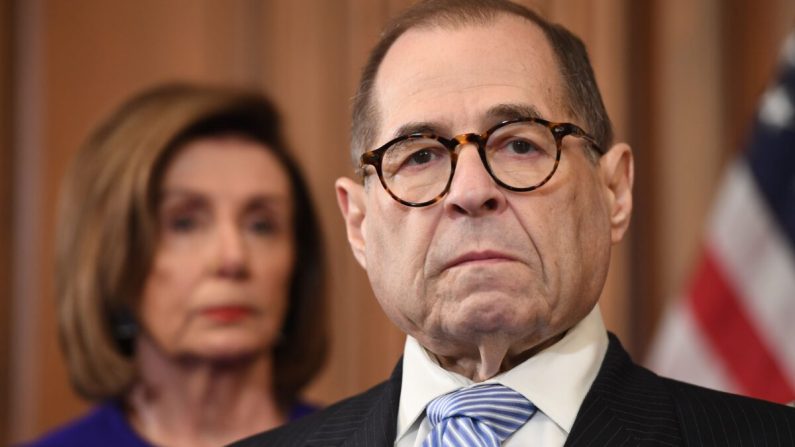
[227, 314]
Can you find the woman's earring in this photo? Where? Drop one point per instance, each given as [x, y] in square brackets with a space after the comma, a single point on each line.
[125, 330]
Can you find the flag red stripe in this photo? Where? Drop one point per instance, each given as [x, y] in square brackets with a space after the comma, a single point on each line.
[719, 312]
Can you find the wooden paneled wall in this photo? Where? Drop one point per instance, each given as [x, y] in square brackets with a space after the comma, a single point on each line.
[677, 78]
[6, 183]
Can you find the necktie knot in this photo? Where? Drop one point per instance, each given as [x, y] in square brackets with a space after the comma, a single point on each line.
[481, 415]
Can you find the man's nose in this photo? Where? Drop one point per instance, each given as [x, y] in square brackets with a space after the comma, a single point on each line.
[231, 251]
[473, 192]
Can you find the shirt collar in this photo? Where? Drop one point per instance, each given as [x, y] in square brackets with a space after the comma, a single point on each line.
[556, 379]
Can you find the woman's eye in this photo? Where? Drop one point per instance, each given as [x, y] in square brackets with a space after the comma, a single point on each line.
[263, 226]
[182, 224]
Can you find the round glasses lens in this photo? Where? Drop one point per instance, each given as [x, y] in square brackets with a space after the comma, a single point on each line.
[522, 154]
[416, 169]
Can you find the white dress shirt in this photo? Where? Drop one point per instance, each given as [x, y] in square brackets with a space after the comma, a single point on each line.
[555, 380]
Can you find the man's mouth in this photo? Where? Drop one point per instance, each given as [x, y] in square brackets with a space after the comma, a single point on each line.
[478, 258]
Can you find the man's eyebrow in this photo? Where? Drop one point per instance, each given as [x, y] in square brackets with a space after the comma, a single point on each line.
[495, 114]
[416, 127]
[504, 112]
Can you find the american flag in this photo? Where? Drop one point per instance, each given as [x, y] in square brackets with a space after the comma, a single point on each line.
[734, 329]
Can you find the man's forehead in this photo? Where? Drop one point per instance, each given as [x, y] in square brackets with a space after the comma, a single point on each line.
[463, 72]
[473, 46]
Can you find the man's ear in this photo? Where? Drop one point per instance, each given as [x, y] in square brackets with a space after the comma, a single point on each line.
[618, 173]
[351, 200]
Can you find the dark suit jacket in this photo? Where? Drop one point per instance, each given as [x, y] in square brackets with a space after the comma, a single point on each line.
[627, 405]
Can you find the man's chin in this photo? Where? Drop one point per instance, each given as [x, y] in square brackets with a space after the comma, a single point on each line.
[489, 311]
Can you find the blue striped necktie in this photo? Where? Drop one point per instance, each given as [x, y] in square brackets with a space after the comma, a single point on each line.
[481, 415]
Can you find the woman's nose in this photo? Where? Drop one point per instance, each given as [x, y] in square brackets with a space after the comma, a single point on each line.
[232, 253]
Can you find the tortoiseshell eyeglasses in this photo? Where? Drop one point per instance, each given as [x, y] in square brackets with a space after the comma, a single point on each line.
[520, 155]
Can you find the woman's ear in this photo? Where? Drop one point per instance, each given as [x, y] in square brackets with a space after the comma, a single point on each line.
[351, 200]
[618, 173]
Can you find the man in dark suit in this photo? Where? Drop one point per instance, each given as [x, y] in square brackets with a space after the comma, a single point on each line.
[492, 193]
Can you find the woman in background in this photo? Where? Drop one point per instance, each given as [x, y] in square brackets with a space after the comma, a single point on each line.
[190, 275]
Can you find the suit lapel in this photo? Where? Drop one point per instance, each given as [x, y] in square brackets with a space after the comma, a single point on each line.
[379, 427]
[626, 405]
[372, 423]
[596, 422]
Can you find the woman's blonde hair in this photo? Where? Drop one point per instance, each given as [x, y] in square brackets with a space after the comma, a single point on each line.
[107, 233]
